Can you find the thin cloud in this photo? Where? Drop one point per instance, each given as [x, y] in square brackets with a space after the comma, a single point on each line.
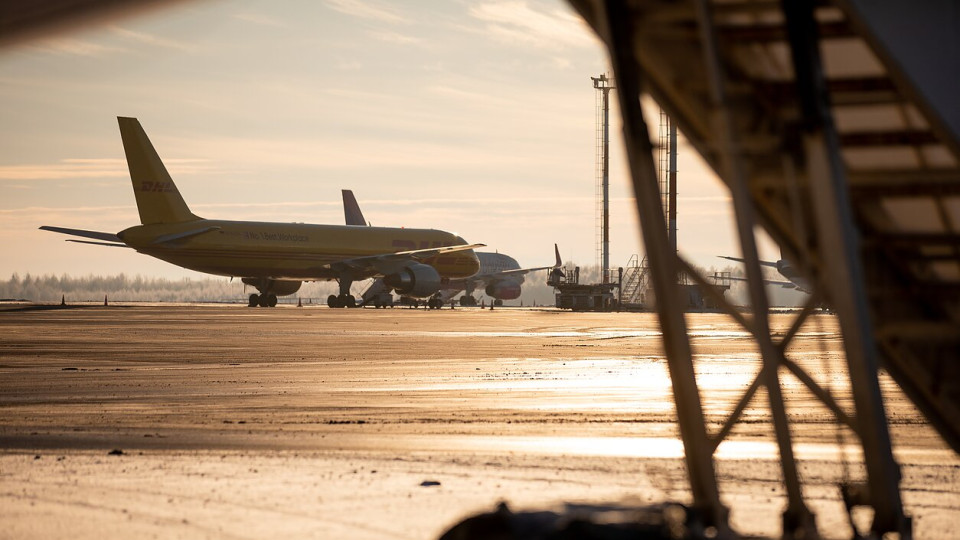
[467, 95]
[72, 47]
[32, 210]
[149, 39]
[57, 172]
[259, 19]
[367, 10]
[77, 168]
[515, 22]
[91, 161]
[395, 38]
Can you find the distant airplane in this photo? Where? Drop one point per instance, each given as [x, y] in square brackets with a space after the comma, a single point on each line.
[276, 258]
[500, 276]
[786, 269]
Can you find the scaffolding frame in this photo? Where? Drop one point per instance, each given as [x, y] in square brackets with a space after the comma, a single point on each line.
[775, 143]
[603, 85]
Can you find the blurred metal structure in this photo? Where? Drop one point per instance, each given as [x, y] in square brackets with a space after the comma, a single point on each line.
[835, 126]
[24, 21]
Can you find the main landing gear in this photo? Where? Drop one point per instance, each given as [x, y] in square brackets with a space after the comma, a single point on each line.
[468, 300]
[343, 300]
[263, 300]
[268, 289]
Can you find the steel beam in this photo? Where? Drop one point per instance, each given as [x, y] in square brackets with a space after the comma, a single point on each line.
[843, 277]
[663, 268]
[798, 521]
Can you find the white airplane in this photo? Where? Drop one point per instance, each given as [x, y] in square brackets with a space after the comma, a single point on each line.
[786, 269]
[500, 276]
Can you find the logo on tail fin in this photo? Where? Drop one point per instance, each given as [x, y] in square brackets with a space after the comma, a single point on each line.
[157, 187]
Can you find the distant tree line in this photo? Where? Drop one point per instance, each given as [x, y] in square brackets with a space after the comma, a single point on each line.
[49, 288]
[120, 287]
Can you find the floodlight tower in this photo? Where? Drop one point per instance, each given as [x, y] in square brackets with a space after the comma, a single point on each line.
[603, 85]
[668, 174]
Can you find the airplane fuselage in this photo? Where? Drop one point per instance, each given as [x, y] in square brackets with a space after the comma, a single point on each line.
[295, 251]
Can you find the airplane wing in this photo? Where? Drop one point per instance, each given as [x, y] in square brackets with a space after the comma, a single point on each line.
[106, 239]
[784, 284]
[521, 271]
[762, 263]
[387, 263]
[514, 272]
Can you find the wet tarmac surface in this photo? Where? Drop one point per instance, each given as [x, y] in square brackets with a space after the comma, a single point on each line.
[319, 423]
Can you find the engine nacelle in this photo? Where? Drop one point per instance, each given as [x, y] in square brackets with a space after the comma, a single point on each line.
[504, 289]
[279, 287]
[417, 280]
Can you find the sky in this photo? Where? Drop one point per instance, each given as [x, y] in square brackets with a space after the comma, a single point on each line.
[476, 117]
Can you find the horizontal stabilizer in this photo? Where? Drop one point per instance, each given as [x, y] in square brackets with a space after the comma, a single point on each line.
[96, 235]
[111, 244]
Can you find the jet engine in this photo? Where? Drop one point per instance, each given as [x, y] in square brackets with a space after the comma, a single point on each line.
[503, 289]
[417, 280]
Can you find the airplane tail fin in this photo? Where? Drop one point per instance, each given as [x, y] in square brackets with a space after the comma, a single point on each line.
[351, 209]
[559, 263]
[158, 199]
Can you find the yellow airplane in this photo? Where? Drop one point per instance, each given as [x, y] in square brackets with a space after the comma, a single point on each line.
[277, 257]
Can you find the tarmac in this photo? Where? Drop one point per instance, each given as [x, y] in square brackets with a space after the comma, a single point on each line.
[178, 421]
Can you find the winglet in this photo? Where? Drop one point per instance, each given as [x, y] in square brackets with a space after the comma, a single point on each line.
[559, 263]
[351, 209]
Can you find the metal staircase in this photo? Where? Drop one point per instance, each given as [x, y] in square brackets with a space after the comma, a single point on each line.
[634, 282]
[836, 127]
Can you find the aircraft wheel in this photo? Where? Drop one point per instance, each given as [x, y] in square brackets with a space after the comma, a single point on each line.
[271, 300]
[264, 300]
[333, 301]
[254, 300]
[348, 301]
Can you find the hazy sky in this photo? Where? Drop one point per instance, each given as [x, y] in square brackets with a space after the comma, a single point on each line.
[474, 117]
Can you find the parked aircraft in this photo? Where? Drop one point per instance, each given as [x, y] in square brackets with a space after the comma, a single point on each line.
[276, 258]
[786, 269]
[500, 276]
